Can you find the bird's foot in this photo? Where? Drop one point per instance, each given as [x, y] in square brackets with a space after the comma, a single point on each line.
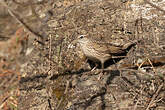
[94, 68]
[101, 74]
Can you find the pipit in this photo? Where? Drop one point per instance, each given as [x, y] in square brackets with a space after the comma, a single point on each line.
[99, 52]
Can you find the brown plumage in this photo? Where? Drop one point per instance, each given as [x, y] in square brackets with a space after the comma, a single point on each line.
[99, 52]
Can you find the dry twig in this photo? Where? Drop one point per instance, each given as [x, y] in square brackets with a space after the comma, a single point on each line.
[154, 96]
[12, 13]
[153, 5]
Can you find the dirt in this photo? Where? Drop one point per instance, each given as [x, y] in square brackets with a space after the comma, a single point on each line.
[55, 75]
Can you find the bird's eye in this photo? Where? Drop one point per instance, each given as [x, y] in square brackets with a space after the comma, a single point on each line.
[82, 36]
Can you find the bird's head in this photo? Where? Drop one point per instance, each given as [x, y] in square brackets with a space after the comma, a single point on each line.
[82, 39]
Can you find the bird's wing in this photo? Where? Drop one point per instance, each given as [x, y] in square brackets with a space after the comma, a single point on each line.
[115, 49]
[109, 48]
[100, 47]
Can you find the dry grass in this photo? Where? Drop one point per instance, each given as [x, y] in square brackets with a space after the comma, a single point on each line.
[56, 73]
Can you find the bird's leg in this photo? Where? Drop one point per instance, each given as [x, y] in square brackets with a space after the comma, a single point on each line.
[102, 69]
[102, 65]
[96, 65]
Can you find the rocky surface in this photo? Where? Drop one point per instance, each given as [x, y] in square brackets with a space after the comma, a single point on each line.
[55, 75]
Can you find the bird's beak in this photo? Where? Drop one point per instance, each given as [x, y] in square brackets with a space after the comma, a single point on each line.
[76, 40]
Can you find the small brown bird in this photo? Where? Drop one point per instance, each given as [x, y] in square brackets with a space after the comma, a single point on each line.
[99, 52]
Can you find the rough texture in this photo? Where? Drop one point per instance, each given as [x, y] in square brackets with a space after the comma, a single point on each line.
[57, 76]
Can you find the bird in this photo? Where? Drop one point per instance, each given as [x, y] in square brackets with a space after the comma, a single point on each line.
[98, 51]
